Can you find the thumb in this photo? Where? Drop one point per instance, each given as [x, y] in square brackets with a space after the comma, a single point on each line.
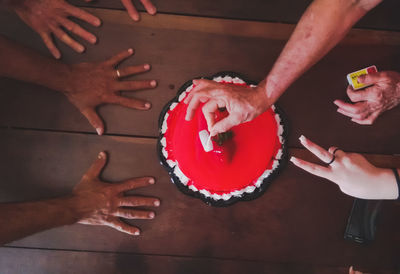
[94, 119]
[369, 79]
[224, 125]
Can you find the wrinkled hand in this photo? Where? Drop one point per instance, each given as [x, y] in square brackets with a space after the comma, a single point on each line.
[354, 175]
[94, 84]
[101, 203]
[48, 17]
[370, 102]
[242, 103]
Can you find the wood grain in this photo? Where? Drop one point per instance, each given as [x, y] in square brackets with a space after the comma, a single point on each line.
[178, 55]
[382, 17]
[299, 220]
[56, 261]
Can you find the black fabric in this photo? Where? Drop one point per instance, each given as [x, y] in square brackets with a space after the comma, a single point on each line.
[396, 175]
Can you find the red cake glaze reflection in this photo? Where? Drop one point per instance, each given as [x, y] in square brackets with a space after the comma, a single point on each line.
[235, 165]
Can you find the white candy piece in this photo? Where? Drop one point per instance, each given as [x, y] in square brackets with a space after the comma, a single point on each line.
[204, 139]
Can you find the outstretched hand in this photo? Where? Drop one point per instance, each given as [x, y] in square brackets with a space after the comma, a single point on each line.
[51, 17]
[101, 203]
[370, 102]
[242, 103]
[354, 175]
[94, 84]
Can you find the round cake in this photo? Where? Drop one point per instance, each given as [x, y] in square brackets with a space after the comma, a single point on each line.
[232, 166]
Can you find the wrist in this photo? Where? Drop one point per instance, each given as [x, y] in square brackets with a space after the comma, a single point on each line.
[386, 180]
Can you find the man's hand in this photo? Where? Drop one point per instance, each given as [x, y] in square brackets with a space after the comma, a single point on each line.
[370, 102]
[48, 17]
[243, 103]
[93, 84]
[132, 11]
[101, 203]
[354, 175]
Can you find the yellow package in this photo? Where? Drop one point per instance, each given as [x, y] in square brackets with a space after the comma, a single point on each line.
[352, 78]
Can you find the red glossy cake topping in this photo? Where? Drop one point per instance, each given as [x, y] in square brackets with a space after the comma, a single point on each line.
[249, 150]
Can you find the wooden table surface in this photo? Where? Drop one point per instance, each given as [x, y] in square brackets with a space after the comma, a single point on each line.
[295, 227]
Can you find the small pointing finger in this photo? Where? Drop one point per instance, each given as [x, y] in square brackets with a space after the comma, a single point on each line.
[118, 58]
[133, 214]
[135, 183]
[119, 225]
[127, 71]
[314, 169]
[133, 201]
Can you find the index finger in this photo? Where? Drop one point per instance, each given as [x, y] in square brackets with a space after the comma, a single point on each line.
[118, 58]
[314, 169]
[195, 101]
[315, 149]
[135, 183]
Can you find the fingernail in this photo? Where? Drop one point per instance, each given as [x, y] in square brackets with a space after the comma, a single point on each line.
[99, 131]
[93, 39]
[157, 203]
[152, 181]
[152, 215]
[130, 50]
[97, 22]
[302, 139]
[152, 11]
[153, 83]
[101, 155]
[147, 105]
[146, 67]
[81, 48]
[135, 17]
[293, 159]
[136, 233]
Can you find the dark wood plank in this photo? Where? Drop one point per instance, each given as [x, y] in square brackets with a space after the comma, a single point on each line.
[300, 219]
[382, 17]
[181, 54]
[18, 260]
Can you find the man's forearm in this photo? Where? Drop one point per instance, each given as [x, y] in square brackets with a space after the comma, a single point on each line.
[18, 220]
[21, 63]
[322, 26]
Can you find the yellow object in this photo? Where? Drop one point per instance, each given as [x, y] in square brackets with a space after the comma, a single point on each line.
[352, 78]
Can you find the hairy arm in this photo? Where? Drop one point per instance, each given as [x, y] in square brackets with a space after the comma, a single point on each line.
[322, 26]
